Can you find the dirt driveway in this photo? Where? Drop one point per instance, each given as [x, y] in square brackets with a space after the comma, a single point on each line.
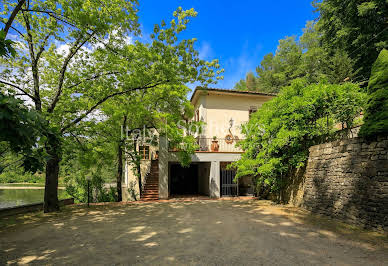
[209, 232]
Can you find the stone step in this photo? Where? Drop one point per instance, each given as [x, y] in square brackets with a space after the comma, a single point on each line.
[150, 197]
[151, 189]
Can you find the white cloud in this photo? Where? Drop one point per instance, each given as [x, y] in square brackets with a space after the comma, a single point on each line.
[205, 51]
[129, 40]
[13, 37]
[63, 49]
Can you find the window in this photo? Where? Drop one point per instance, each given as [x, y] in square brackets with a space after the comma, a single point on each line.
[197, 115]
[252, 109]
[144, 152]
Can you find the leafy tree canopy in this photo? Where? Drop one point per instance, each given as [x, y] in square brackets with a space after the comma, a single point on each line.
[279, 134]
[376, 114]
[342, 44]
[73, 56]
[299, 58]
[20, 131]
[358, 27]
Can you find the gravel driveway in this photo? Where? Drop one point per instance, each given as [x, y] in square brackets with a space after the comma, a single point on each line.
[200, 232]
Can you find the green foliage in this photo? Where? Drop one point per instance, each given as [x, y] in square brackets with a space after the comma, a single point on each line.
[74, 56]
[299, 58]
[77, 187]
[376, 114]
[342, 44]
[280, 133]
[6, 46]
[358, 27]
[20, 131]
[250, 82]
[18, 176]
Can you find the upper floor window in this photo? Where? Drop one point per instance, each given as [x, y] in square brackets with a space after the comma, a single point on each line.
[144, 152]
[252, 109]
[196, 115]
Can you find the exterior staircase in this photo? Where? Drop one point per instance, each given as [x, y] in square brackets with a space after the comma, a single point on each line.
[151, 186]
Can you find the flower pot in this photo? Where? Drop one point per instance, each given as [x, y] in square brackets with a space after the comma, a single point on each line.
[215, 146]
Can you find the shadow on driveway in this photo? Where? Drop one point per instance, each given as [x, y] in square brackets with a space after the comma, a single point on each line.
[240, 232]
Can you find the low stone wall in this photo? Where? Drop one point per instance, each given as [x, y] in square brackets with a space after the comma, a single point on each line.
[348, 179]
[30, 208]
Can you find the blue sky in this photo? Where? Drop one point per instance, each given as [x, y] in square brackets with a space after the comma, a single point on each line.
[238, 33]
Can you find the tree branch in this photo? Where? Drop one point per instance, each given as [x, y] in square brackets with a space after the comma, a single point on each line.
[13, 15]
[18, 88]
[41, 48]
[79, 142]
[9, 164]
[92, 78]
[77, 45]
[53, 15]
[15, 29]
[34, 64]
[77, 120]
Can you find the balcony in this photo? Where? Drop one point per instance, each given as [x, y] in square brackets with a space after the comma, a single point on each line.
[224, 146]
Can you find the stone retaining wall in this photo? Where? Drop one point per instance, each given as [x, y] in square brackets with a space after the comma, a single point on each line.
[30, 208]
[348, 179]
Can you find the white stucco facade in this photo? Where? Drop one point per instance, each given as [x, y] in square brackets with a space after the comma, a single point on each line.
[223, 113]
[216, 108]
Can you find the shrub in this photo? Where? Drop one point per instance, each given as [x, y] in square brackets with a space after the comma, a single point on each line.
[280, 133]
[77, 187]
[376, 114]
[19, 176]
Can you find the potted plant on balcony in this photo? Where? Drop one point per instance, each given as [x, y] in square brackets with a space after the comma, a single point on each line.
[215, 146]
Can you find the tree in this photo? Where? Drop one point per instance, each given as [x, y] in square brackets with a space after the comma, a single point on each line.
[279, 134]
[6, 45]
[158, 112]
[79, 58]
[20, 131]
[355, 26]
[376, 114]
[303, 57]
[250, 82]
[44, 24]
[20, 127]
[125, 122]
[241, 85]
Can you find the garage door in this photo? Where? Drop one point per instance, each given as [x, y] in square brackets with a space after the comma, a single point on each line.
[183, 180]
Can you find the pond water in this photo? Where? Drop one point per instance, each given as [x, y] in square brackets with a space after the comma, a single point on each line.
[16, 197]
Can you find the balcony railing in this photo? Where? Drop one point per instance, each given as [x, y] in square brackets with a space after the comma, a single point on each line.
[218, 145]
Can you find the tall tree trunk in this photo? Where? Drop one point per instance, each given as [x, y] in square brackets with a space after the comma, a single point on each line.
[53, 149]
[119, 172]
[119, 178]
[138, 167]
[139, 178]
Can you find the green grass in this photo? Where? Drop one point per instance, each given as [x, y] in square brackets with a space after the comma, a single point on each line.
[22, 184]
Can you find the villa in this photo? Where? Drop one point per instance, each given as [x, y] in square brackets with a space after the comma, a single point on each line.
[223, 113]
